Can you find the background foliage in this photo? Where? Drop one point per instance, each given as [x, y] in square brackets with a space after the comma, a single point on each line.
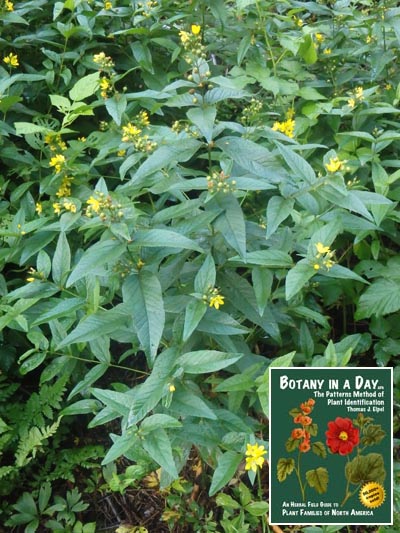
[190, 192]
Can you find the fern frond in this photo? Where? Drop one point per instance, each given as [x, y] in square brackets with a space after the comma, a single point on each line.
[31, 443]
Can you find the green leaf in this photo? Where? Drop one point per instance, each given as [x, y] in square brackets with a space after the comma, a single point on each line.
[194, 312]
[298, 165]
[226, 501]
[32, 362]
[116, 106]
[59, 309]
[364, 468]
[381, 298]
[231, 223]
[158, 446]
[278, 210]
[90, 377]
[308, 50]
[297, 277]
[61, 260]
[204, 361]
[85, 87]
[26, 128]
[372, 434]
[163, 238]
[154, 422]
[120, 402]
[103, 322]
[205, 277]
[257, 508]
[225, 470]
[143, 294]
[262, 279]
[44, 495]
[319, 449]
[318, 479]
[185, 403]
[97, 255]
[284, 468]
[203, 118]
[267, 258]
[122, 444]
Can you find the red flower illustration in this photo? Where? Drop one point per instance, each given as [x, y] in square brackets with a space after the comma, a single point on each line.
[342, 436]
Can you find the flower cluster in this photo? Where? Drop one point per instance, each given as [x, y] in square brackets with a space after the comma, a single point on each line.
[64, 204]
[323, 257]
[357, 97]
[218, 182]
[342, 436]
[65, 188]
[251, 113]
[286, 127]
[133, 133]
[302, 436]
[335, 165]
[11, 60]
[104, 62]
[191, 42]
[102, 205]
[213, 298]
[34, 275]
[7, 5]
[254, 457]
[58, 161]
[54, 142]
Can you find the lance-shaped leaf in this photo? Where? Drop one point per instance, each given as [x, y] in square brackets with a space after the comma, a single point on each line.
[284, 468]
[158, 446]
[203, 118]
[155, 238]
[278, 210]
[143, 294]
[225, 470]
[204, 361]
[297, 277]
[231, 223]
[318, 479]
[194, 312]
[381, 298]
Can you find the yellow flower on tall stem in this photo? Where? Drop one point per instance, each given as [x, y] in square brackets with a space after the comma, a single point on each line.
[11, 60]
[254, 456]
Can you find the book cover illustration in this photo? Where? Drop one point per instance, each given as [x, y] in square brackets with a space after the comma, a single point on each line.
[330, 445]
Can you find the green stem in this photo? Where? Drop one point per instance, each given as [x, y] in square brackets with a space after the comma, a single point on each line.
[259, 493]
[298, 474]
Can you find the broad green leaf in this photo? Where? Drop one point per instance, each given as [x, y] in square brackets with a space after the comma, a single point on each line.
[205, 277]
[297, 277]
[235, 383]
[154, 422]
[220, 323]
[257, 508]
[297, 164]
[225, 470]
[122, 443]
[203, 118]
[158, 446]
[369, 467]
[163, 238]
[308, 50]
[103, 322]
[32, 362]
[61, 260]
[284, 468]
[381, 298]
[318, 479]
[143, 294]
[116, 106]
[26, 128]
[231, 224]
[338, 271]
[270, 258]
[187, 404]
[85, 87]
[99, 254]
[60, 308]
[278, 209]
[82, 407]
[194, 312]
[204, 361]
[118, 401]
[91, 376]
[262, 279]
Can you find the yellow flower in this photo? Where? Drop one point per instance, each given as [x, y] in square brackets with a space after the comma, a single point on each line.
[70, 206]
[368, 39]
[316, 266]
[108, 5]
[359, 93]
[320, 37]
[130, 131]
[57, 208]
[334, 164]
[286, 127]
[9, 5]
[351, 103]
[38, 208]
[171, 388]
[57, 162]
[12, 60]
[254, 457]
[185, 36]
[321, 249]
[196, 29]
[216, 301]
[95, 205]
[327, 51]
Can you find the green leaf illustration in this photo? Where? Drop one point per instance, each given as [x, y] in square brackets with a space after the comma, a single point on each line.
[318, 479]
[366, 468]
[319, 449]
[284, 468]
[373, 433]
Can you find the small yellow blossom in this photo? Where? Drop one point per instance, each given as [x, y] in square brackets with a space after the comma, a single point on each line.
[320, 37]
[185, 36]
[12, 60]
[388, 86]
[69, 206]
[38, 208]
[65, 187]
[142, 119]
[216, 301]
[130, 131]
[94, 203]
[334, 165]
[286, 127]
[9, 5]
[351, 103]
[104, 62]
[57, 161]
[172, 388]
[108, 5]
[321, 249]
[121, 153]
[327, 51]
[369, 39]
[359, 93]
[196, 29]
[57, 208]
[316, 266]
[254, 457]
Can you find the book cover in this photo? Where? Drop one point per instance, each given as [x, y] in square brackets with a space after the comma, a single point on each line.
[330, 448]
